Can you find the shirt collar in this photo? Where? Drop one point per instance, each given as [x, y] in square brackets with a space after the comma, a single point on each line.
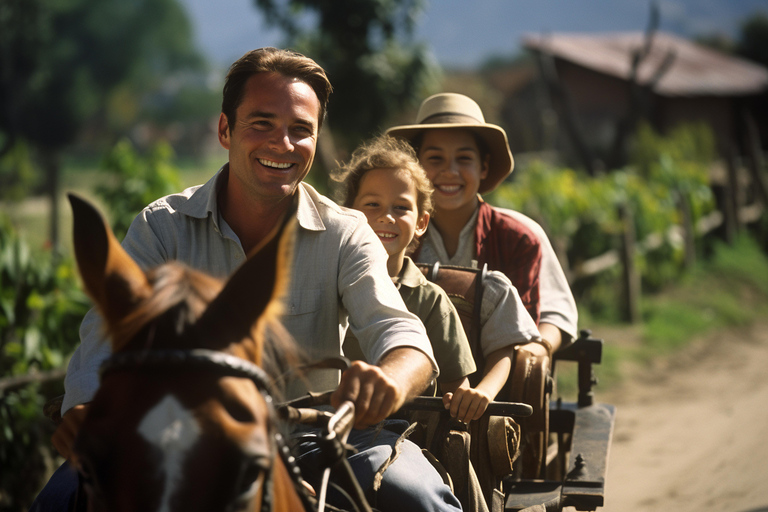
[307, 213]
[204, 202]
[410, 275]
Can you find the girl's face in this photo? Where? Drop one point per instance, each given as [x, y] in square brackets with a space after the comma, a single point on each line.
[453, 163]
[388, 198]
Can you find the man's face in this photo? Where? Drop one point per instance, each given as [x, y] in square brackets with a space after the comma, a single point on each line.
[272, 142]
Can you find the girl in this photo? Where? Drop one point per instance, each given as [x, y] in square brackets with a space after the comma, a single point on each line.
[463, 157]
[385, 181]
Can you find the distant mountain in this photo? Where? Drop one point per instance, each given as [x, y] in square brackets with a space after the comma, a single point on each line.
[463, 34]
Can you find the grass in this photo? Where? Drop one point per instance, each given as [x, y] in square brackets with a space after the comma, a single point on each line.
[728, 291]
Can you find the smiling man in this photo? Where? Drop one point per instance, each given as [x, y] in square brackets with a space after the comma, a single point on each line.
[274, 103]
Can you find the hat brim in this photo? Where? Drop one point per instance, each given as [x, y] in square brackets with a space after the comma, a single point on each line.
[502, 162]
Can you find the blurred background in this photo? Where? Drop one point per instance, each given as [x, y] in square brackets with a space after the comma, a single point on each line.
[639, 131]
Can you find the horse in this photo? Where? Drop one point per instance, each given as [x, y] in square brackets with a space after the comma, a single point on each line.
[183, 418]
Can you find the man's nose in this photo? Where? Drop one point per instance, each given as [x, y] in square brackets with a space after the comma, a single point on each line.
[281, 141]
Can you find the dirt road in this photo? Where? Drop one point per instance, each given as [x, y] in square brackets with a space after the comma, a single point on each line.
[692, 435]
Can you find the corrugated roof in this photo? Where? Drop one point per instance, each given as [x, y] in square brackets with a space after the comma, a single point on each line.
[696, 70]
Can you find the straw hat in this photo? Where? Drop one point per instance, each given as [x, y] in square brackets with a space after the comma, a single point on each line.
[451, 110]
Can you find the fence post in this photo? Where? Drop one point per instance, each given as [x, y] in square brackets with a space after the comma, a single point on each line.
[734, 187]
[630, 276]
[756, 165]
[688, 230]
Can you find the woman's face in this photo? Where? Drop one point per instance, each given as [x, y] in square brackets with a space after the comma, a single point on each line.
[453, 163]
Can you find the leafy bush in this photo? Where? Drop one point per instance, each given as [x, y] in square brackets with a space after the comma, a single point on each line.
[581, 213]
[18, 176]
[137, 181]
[41, 306]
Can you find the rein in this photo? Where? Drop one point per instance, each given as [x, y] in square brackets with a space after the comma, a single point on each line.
[224, 365]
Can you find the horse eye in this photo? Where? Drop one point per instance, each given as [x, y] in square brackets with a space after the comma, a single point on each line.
[239, 411]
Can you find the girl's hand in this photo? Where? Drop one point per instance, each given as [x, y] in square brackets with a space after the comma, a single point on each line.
[466, 404]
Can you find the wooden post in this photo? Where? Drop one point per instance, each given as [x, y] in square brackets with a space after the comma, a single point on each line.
[734, 188]
[756, 164]
[630, 276]
[688, 230]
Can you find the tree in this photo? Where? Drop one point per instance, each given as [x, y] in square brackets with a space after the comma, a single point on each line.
[63, 59]
[753, 40]
[367, 49]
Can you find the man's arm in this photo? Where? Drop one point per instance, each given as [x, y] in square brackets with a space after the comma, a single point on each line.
[380, 390]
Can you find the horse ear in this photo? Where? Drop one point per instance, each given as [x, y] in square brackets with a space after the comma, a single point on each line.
[112, 279]
[253, 294]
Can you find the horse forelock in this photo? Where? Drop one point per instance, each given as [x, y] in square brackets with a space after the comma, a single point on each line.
[180, 295]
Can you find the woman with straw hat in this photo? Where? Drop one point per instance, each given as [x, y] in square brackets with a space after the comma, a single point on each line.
[464, 157]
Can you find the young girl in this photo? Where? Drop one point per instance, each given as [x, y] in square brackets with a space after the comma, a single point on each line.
[385, 181]
[464, 156]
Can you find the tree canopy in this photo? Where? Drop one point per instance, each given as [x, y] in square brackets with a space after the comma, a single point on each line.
[62, 59]
[367, 48]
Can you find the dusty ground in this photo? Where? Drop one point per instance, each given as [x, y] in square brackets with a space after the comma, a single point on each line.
[692, 433]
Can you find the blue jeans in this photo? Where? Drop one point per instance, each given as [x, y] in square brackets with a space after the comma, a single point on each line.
[411, 483]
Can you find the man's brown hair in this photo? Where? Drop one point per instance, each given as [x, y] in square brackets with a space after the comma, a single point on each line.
[273, 60]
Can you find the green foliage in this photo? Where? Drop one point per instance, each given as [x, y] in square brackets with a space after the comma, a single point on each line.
[753, 42]
[367, 50]
[63, 59]
[137, 181]
[583, 212]
[17, 173]
[41, 306]
[712, 297]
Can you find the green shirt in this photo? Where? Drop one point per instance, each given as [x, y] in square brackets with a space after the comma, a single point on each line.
[433, 306]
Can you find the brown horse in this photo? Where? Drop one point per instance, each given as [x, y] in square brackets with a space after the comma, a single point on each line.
[182, 419]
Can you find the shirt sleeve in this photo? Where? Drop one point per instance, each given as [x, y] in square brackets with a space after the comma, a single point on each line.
[377, 315]
[503, 317]
[558, 306]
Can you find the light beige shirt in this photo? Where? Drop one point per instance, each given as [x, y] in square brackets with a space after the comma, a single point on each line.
[339, 280]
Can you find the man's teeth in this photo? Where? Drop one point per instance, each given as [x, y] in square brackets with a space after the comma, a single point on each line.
[386, 235]
[274, 165]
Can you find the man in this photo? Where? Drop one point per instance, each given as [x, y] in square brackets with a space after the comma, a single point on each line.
[274, 102]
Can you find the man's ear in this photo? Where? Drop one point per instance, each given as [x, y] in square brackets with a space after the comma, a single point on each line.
[422, 224]
[223, 131]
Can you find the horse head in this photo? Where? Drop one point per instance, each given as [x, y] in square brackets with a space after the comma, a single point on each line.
[182, 418]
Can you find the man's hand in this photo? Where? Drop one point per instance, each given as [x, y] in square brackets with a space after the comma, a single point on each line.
[375, 394]
[380, 390]
[65, 433]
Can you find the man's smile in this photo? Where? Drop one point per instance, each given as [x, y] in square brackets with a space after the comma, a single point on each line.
[275, 165]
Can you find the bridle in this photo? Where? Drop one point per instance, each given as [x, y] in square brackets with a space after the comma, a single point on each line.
[224, 365]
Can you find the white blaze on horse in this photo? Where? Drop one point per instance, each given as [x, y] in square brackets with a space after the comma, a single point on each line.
[183, 417]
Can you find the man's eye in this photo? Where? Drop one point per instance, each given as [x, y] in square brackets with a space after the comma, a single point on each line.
[304, 130]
